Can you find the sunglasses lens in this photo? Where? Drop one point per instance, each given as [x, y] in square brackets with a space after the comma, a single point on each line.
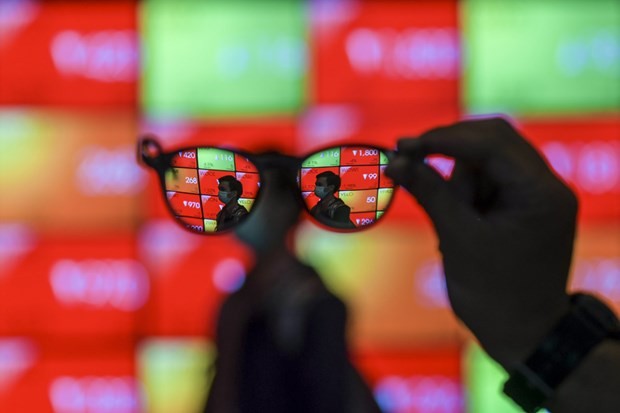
[210, 189]
[345, 187]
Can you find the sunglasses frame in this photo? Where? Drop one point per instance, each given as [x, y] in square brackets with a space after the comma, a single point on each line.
[151, 154]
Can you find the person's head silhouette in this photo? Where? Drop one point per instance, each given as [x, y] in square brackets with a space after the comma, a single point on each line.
[229, 189]
[327, 183]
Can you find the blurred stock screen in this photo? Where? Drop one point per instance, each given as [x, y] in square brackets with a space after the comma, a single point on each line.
[107, 305]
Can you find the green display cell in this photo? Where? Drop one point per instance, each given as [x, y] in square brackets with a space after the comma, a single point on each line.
[542, 57]
[210, 225]
[330, 157]
[248, 203]
[224, 59]
[485, 380]
[172, 373]
[383, 158]
[214, 158]
[384, 197]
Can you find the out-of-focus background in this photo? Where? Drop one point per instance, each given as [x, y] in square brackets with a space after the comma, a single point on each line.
[106, 305]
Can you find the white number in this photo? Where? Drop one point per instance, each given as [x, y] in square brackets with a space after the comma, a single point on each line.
[223, 157]
[331, 154]
[188, 155]
[191, 204]
[190, 180]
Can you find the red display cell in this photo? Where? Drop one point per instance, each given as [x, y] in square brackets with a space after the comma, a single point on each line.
[191, 273]
[182, 180]
[415, 382]
[184, 205]
[387, 51]
[65, 376]
[361, 219]
[375, 124]
[308, 177]
[359, 155]
[69, 53]
[586, 154]
[250, 135]
[185, 159]
[193, 224]
[243, 164]
[250, 182]
[360, 201]
[211, 206]
[80, 287]
[359, 177]
[209, 180]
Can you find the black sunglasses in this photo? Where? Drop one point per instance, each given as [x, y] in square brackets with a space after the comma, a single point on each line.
[210, 189]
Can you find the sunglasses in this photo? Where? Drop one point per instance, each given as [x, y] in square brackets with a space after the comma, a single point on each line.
[211, 189]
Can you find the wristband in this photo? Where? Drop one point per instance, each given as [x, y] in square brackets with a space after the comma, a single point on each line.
[586, 325]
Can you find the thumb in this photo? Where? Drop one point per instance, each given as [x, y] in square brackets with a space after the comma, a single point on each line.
[446, 210]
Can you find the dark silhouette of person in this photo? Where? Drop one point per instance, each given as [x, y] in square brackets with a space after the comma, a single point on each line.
[281, 338]
[330, 210]
[229, 192]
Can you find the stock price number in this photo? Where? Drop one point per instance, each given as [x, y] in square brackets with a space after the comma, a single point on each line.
[187, 155]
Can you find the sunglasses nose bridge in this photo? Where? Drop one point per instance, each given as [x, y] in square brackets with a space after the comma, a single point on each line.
[279, 171]
[275, 160]
[287, 165]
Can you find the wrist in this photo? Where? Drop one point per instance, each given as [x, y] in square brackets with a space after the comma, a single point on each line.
[598, 376]
[536, 380]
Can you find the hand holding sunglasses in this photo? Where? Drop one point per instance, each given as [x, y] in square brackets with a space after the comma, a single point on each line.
[212, 190]
[506, 228]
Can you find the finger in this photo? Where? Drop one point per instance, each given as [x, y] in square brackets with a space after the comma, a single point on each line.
[474, 188]
[492, 145]
[469, 141]
[463, 182]
[448, 212]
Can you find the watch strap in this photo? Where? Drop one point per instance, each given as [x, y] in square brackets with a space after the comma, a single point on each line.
[587, 324]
